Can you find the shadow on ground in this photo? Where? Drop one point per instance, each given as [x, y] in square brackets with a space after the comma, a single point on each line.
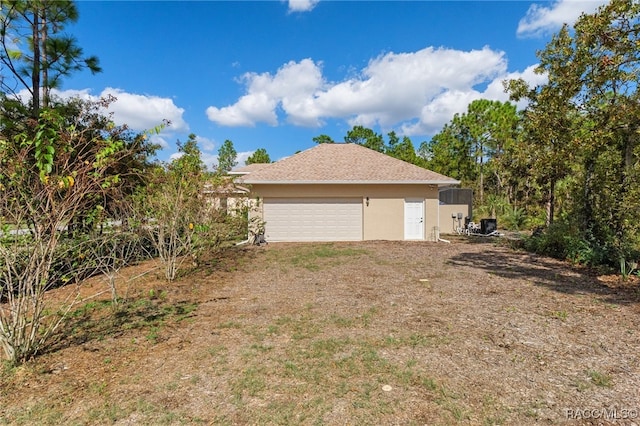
[546, 272]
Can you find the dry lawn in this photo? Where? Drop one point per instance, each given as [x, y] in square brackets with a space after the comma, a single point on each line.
[346, 333]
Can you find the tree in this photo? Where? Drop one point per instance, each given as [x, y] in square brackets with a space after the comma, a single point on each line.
[365, 137]
[88, 118]
[174, 204]
[323, 139]
[176, 214]
[606, 68]
[259, 156]
[451, 155]
[489, 126]
[402, 150]
[35, 51]
[58, 166]
[548, 145]
[110, 253]
[472, 144]
[593, 79]
[226, 157]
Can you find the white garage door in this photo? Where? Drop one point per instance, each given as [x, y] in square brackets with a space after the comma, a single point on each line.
[313, 219]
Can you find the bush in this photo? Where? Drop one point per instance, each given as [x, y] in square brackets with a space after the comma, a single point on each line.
[86, 255]
[565, 241]
[513, 218]
[79, 256]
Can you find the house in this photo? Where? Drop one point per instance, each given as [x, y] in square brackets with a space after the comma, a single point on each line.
[226, 196]
[346, 192]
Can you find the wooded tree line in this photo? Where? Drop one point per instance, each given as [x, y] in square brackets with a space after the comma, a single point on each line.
[569, 160]
[582, 129]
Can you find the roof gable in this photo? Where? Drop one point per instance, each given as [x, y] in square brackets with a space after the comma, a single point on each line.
[343, 163]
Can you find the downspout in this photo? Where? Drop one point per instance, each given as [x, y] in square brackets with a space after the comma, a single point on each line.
[438, 217]
[243, 242]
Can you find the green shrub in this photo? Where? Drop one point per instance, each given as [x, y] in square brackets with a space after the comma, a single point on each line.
[513, 218]
[564, 241]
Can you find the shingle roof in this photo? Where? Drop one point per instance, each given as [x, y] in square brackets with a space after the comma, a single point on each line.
[343, 163]
[249, 168]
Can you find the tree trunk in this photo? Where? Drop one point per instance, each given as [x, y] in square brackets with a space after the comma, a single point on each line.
[551, 202]
[626, 167]
[45, 70]
[587, 210]
[481, 148]
[35, 76]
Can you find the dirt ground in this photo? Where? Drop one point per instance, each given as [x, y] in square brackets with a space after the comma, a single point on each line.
[404, 333]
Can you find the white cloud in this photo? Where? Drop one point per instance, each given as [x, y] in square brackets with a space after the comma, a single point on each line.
[210, 160]
[541, 20]
[242, 157]
[205, 144]
[208, 153]
[142, 112]
[439, 111]
[379, 96]
[250, 109]
[139, 112]
[443, 107]
[160, 141]
[175, 156]
[292, 87]
[495, 90]
[436, 83]
[302, 5]
[71, 93]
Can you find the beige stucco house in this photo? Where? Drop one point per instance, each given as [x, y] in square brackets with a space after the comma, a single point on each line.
[346, 192]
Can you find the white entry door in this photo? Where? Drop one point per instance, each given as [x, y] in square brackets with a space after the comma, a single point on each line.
[413, 219]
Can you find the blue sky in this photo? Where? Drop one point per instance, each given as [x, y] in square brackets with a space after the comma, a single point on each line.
[274, 74]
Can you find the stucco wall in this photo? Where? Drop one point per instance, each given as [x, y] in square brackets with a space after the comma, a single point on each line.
[431, 221]
[446, 222]
[383, 217]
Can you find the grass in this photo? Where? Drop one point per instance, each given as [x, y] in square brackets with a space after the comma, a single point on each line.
[561, 315]
[318, 360]
[111, 412]
[317, 256]
[104, 409]
[334, 369]
[37, 413]
[600, 379]
[96, 320]
[306, 360]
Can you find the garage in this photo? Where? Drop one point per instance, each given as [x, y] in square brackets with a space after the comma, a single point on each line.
[313, 219]
[343, 192]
